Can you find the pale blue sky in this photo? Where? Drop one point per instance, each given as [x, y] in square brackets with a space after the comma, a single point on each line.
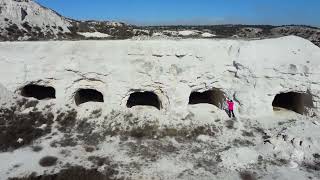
[195, 12]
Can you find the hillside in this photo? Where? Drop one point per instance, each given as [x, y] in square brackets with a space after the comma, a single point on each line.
[27, 20]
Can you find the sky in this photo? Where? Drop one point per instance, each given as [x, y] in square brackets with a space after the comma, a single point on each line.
[191, 12]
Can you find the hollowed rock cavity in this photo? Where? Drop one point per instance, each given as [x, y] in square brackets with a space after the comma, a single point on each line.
[38, 92]
[215, 97]
[88, 95]
[144, 99]
[297, 102]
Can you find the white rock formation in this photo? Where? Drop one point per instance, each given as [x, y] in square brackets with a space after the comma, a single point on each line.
[188, 33]
[94, 34]
[207, 35]
[250, 72]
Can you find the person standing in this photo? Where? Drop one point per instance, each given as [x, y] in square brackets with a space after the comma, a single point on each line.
[230, 108]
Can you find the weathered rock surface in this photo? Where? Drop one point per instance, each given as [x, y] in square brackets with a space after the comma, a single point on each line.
[170, 139]
[244, 70]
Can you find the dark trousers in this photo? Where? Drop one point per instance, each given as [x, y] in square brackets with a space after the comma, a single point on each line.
[231, 113]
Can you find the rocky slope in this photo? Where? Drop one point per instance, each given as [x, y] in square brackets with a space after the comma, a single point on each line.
[27, 20]
[155, 109]
[232, 31]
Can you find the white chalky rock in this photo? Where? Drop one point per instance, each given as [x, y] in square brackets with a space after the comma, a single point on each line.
[20, 140]
[43, 126]
[262, 69]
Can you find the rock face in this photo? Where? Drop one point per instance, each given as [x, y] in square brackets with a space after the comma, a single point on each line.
[156, 108]
[247, 71]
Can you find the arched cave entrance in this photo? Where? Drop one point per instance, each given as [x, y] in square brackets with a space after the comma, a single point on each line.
[215, 97]
[88, 95]
[38, 92]
[297, 102]
[144, 99]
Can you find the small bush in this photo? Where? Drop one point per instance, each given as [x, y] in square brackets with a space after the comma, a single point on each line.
[48, 161]
[96, 114]
[316, 155]
[31, 103]
[89, 148]
[99, 161]
[315, 166]
[242, 142]
[248, 134]
[36, 148]
[229, 124]
[67, 120]
[246, 175]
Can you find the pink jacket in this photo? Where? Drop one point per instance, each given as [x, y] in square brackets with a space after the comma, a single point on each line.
[230, 105]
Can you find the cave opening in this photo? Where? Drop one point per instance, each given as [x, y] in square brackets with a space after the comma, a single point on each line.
[215, 97]
[144, 99]
[39, 92]
[294, 101]
[88, 95]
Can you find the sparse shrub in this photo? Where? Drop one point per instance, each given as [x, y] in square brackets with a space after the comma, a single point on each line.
[279, 162]
[37, 28]
[75, 173]
[31, 103]
[315, 166]
[248, 134]
[260, 159]
[96, 113]
[66, 141]
[190, 132]
[65, 152]
[48, 161]
[86, 134]
[230, 124]
[15, 125]
[146, 131]
[218, 158]
[316, 155]
[242, 142]
[36, 148]
[246, 175]
[89, 148]
[67, 120]
[21, 102]
[99, 161]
